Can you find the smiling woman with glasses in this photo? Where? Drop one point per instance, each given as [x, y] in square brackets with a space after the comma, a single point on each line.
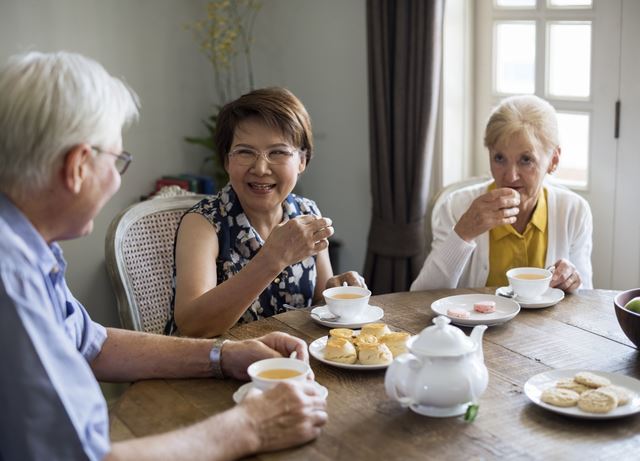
[255, 247]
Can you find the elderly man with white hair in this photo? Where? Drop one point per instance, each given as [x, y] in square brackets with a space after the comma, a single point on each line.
[61, 157]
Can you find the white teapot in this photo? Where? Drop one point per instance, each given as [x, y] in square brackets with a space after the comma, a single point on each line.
[443, 373]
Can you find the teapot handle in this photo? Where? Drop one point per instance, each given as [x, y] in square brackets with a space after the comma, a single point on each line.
[402, 363]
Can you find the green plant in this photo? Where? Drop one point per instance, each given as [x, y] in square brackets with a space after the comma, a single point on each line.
[225, 37]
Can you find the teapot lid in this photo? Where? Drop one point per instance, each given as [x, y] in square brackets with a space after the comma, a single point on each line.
[442, 339]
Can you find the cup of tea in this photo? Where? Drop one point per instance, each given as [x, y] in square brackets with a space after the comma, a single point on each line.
[347, 303]
[267, 373]
[529, 283]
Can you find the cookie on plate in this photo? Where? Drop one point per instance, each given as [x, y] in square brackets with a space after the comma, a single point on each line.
[376, 329]
[340, 350]
[591, 379]
[559, 397]
[572, 385]
[624, 395]
[365, 338]
[345, 333]
[598, 401]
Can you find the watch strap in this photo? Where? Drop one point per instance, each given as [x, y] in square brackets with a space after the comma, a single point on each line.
[215, 357]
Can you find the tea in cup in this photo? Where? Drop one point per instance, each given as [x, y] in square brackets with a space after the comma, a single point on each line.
[267, 373]
[347, 303]
[529, 283]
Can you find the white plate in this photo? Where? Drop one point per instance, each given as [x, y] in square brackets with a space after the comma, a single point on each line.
[506, 309]
[551, 297]
[371, 314]
[316, 349]
[538, 383]
[238, 395]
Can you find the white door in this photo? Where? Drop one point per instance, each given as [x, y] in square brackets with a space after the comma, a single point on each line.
[568, 52]
[626, 247]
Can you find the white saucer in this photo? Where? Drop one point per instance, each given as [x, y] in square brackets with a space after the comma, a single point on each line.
[371, 314]
[238, 395]
[551, 297]
[536, 384]
[506, 309]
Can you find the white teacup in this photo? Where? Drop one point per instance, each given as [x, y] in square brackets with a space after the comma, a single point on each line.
[529, 283]
[267, 373]
[348, 303]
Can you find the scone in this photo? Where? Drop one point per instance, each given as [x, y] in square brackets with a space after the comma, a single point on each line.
[345, 333]
[624, 395]
[559, 397]
[598, 401]
[376, 329]
[396, 342]
[364, 338]
[340, 350]
[569, 383]
[591, 379]
[374, 354]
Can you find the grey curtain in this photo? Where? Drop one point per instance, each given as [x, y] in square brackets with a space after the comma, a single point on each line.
[404, 51]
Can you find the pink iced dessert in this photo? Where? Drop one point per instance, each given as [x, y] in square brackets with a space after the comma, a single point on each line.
[485, 307]
[458, 313]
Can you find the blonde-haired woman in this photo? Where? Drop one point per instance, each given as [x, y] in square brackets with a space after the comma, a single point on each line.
[516, 219]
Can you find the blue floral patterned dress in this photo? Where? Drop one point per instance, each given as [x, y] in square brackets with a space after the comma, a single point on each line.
[238, 242]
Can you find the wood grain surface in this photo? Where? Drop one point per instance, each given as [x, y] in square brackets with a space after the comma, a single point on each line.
[580, 332]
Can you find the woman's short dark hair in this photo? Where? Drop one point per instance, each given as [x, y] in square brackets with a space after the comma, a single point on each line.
[277, 107]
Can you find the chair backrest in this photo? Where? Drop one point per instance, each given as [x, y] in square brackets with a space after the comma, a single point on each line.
[139, 256]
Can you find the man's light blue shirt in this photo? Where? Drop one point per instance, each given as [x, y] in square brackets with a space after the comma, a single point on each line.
[51, 406]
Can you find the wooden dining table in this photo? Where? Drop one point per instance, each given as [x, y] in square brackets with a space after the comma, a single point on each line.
[581, 332]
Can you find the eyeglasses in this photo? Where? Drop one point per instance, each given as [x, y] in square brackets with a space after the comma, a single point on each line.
[123, 159]
[247, 156]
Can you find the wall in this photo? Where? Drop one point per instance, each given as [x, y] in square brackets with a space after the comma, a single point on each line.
[317, 49]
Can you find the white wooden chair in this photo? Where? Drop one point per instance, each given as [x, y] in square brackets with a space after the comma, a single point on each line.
[139, 257]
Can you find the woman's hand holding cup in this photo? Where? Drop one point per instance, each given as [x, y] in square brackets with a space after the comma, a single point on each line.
[565, 276]
[493, 209]
[298, 238]
[351, 278]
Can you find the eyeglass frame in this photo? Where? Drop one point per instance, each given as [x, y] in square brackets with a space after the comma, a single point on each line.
[124, 155]
[264, 154]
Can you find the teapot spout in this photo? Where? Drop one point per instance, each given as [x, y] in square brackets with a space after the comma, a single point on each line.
[476, 337]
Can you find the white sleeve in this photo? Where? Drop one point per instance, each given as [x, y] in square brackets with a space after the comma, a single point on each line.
[449, 253]
[581, 244]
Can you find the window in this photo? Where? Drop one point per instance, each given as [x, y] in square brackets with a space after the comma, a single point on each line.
[542, 47]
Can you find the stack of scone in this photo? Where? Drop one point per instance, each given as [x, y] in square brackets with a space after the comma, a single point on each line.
[375, 345]
[590, 392]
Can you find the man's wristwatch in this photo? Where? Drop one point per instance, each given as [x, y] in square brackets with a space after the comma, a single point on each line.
[215, 356]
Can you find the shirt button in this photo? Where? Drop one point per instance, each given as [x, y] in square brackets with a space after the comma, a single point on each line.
[55, 269]
[276, 280]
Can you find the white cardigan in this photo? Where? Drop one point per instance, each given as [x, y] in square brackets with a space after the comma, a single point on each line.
[455, 263]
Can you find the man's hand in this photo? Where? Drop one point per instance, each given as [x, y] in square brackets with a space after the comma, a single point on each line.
[493, 209]
[285, 416]
[238, 355]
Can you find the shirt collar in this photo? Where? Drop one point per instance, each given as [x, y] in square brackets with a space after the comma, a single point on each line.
[48, 257]
[538, 218]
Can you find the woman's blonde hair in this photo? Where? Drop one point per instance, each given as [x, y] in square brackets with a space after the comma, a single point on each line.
[528, 115]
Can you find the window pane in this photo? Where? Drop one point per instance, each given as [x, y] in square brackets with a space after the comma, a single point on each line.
[570, 3]
[516, 3]
[574, 142]
[515, 51]
[569, 59]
